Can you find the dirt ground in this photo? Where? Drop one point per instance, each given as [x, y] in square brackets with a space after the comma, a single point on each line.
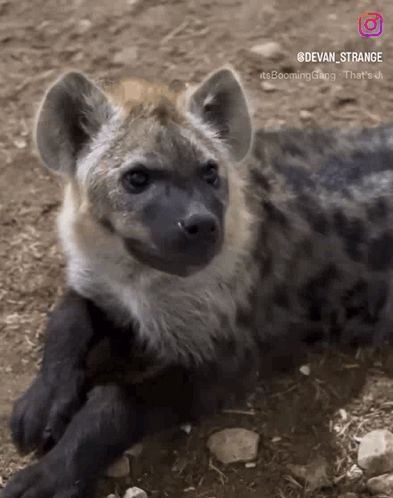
[299, 417]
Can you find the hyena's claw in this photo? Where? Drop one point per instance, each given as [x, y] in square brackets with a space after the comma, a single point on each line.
[29, 416]
[42, 414]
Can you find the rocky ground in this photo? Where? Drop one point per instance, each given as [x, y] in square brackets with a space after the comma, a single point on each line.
[311, 420]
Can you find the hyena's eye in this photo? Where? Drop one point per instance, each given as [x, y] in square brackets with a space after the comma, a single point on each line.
[210, 173]
[136, 180]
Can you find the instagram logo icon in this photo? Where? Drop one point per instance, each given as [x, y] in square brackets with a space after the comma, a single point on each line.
[370, 24]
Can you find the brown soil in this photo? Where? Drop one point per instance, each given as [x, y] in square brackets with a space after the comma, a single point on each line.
[298, 417]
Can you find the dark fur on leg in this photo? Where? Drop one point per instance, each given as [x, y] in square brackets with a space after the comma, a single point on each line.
[40, 416]
[113, 418]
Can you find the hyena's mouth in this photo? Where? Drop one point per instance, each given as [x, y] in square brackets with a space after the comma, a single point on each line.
[182, 263]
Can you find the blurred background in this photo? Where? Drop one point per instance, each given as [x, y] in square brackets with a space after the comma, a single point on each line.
[301, 417]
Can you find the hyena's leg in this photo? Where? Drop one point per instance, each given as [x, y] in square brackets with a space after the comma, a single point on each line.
[112, 419]
[42, 413]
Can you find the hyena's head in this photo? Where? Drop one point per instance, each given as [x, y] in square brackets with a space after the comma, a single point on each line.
[150, 167]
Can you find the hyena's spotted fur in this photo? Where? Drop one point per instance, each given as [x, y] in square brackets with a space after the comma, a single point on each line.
[134, 347]
[327, 234]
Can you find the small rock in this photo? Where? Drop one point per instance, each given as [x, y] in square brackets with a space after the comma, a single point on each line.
[343, 414]
[348, 495]
[234, 445]
[187, 428]
[135, 451]
[83, 26]
[375, 454]
[268, 50]
[305, 369]
[268, 87]
[135, 493]
[304, 115]
[354, 473]
[20, 143]
[381, 484]
[126, 56]
[119, 468]
[314, 475]
[250, 465]
[112, 496]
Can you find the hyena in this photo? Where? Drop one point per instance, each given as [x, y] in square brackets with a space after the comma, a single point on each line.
[188, 258]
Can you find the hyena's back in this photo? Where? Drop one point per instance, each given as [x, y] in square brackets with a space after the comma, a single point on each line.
[328, 230]
[332, 161]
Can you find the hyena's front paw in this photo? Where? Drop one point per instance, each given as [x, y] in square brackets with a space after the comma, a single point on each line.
[42, 414]
[46, 479]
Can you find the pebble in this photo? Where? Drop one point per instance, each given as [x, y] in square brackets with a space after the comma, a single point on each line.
[375, 453]
[268, 87]
[381, 485]
[135, 451]
[305, 369]
[119, 468]
[314, 475]
[135, 493]
[234, 445]
[126, 56]
[83, 26]
[268, 50]
[20, 143]
[354, 473]
[187, 428]
[343, 414]
[304, 115]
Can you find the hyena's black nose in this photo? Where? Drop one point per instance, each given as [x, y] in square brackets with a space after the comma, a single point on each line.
[199, 227]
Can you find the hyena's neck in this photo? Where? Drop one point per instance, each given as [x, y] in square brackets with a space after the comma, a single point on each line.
[180, 319]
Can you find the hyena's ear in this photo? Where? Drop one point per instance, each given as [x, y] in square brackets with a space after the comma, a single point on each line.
[220, 102]
[73, 111]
